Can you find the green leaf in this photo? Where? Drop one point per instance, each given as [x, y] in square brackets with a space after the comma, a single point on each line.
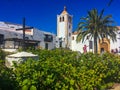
[33, 87]
[71, 88]
[25, 87]
[25, 82]
[72, 82]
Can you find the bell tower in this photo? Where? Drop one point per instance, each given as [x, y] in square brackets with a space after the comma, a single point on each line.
[64, 28]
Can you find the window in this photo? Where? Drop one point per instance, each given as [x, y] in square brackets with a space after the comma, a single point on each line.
[69, 26]
[60, 44]
[87, 37]
[26, 38]
[48, 38]
[1, 38]
[62, 18]
[73, 38]
[90, 45]
[69, 34]
[70, 19]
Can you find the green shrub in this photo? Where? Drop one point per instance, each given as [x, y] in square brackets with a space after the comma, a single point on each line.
[7, 78]
[64, 69]
[2, 55]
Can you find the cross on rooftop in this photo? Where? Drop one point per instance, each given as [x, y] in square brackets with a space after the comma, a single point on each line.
[23, 29]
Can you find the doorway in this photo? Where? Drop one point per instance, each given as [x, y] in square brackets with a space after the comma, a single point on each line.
[46, 46]
[104, 45]
[102, 50]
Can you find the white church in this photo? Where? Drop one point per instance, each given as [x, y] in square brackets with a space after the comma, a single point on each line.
[67, 38]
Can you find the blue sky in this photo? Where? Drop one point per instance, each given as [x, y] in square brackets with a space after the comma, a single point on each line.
[42, 14]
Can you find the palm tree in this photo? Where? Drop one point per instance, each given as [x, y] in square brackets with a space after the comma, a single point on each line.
[96, 26]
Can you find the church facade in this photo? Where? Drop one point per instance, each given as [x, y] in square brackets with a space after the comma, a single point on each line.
[67, 38]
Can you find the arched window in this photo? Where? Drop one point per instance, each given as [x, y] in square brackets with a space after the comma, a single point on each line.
[70, 19]
[69, 34]
[69, 26]
[62, 18]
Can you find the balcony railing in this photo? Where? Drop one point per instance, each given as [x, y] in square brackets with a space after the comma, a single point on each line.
[48, 38]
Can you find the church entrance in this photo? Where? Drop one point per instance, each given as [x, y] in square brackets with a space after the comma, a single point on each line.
[104, 46]
[102, 50]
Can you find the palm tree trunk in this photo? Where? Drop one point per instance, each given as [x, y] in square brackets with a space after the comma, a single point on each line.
[95, 45]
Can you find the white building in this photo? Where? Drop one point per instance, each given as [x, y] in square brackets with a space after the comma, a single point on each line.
[10, 38]
[79, 46]
[107, 45]
[116, 45]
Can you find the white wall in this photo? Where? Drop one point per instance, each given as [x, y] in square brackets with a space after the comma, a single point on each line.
[115, 45]
[61, 27]
[79, 46]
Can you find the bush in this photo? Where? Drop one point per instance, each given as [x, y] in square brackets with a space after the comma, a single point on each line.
[7, 78]
[64, 69]
[2, 55]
